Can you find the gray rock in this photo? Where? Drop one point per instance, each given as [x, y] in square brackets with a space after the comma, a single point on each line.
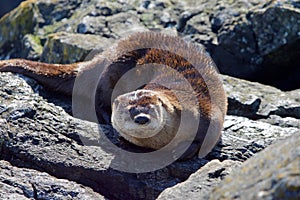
[242, 138]
[256, 101]
[262, 45]
[200, 184]
[69, 47]
[280, 25]
[14, 27]
[122, 24]
[20, 183]
[208, 17]
[282, 121]
[32, 48]
[272, 174]
[93, 25]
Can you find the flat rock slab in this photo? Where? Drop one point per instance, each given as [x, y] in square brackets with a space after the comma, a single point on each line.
[20, 183]
[258, 101]
[272, 174]
[200, 184]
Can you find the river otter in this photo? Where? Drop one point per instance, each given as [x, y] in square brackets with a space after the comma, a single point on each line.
[172, 77]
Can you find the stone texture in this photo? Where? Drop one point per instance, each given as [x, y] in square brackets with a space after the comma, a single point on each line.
[261, 45]
[20, 183]
[14, 27]
[69, 48]
[200, 184]
[32, 47]
[272, 174]
[242, 138]
[257, 101]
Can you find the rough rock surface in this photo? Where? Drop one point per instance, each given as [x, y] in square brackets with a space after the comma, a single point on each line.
[200, 184]
[20, 183]
[65, 48]
[262, 45]
[257, 101]
[39, 136]
[272, 174]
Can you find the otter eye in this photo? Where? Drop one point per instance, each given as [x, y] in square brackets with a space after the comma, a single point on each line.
[133, 112]
[160, 101]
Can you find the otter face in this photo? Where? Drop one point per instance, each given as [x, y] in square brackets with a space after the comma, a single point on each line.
[139, 114]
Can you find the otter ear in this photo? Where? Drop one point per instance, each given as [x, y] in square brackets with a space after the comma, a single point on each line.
[166, 104]
[115, 102]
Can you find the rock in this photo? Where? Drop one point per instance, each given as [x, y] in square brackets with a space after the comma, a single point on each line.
[69, 47]
[282, 121]
[20, 183]
[272, 174]
[122, 24]
[242, 138]
[32, 47]
[14, 27]
[93, 25]
[199, 185]
[265, 42]
[210, 16]
[257, 101]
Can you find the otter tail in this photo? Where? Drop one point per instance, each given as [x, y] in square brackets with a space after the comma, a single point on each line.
[56, 77]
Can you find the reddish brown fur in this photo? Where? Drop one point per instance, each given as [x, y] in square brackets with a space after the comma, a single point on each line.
[186, 69]
[57, 77]
[43, 69]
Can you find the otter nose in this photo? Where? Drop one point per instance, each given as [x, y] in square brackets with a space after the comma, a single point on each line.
[141, 120]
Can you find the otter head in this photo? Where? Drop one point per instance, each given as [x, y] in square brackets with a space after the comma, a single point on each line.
[141, 115]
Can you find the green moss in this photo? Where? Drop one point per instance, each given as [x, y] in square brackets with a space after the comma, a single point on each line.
[35, 39]
[53, 27]
[17, 23]
[35, 42]
[62, 50]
